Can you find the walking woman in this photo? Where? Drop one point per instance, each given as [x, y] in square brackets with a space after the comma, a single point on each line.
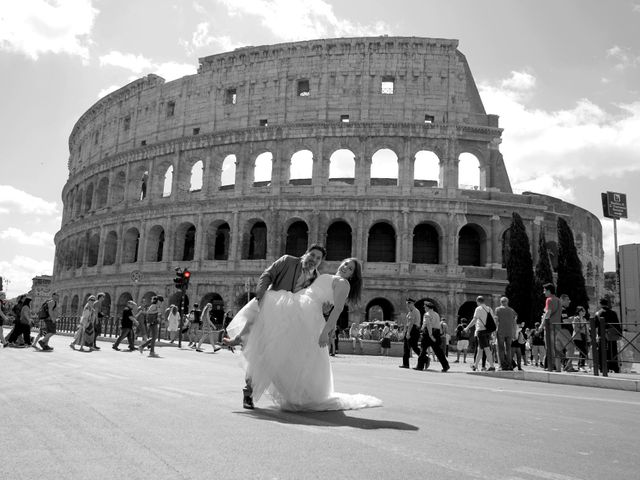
[208, 329]
[153, 321]
[173, 319]
[85, 332]
[580, 335]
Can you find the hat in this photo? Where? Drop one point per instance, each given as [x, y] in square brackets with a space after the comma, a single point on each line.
[410, 300]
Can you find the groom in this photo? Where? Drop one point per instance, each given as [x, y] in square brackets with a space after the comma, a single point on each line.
[286, 273]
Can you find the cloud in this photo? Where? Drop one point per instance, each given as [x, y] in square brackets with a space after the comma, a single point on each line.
[35, 27]
[139, 65]
[300, 19]
[201, 39]
[628, 232]
[623, 57]
[36, 239]
[12, 200]
[20, 271]
[548, 149]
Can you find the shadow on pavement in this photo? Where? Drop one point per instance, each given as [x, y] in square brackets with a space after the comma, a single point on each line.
[327, 419]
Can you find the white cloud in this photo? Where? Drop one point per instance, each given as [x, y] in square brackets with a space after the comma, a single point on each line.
[35, 27]
[139, 65]
[301, 19]
[14, 200]
[108, 90]
[20, 272]
[548, 149]
[522, 81]
[623, 57]
[628, 232]
[36, 239]
[201, 39]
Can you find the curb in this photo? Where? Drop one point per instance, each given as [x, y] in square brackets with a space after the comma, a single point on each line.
[567, 379]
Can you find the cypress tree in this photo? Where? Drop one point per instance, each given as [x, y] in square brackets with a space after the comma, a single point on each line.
[570, 277]
[543, 274]
[519, 270]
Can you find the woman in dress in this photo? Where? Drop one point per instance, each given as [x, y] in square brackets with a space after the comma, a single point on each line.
[286, 351]
[85, 332]
[173, 319]
[208, 330]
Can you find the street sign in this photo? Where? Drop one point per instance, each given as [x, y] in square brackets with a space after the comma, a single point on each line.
[614, 205]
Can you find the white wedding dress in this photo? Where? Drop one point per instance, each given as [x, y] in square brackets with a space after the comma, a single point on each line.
[282, 354]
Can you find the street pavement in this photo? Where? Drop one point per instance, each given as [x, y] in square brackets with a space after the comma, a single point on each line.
[109, 414]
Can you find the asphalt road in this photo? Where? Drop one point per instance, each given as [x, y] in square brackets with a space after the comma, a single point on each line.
[109, 414]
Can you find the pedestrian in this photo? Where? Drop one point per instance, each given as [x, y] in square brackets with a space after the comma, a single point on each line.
[173, 321]
[479, 321]
[22, 329]
[385, 341]
[355, 336]
[506, 329]
[208, 329]
[444, 336]
[99, 318]
[4, 319]
[84, 334]
[127, 322]
[552, 316]
[47, 315]
[538, 350]
[141, 317]
[462, 337]
[195, 324]
[516, 346]
[431, 339]
[564, 334]
[411, 332]
[153, 321]
[612, 332]
[580, 336]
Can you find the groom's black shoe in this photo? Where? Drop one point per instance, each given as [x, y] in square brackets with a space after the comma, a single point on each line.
[247, 402]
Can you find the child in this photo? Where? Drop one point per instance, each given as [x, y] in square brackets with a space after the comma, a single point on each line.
[463, 341]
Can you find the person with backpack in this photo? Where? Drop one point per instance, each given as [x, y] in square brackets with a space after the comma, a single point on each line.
[47, 316]
[485, 326]
[22, 312]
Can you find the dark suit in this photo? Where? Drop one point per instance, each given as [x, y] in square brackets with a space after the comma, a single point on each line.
[281, 275]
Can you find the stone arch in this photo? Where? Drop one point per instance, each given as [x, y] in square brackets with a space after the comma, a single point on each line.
[255, 240]
[381, 245]
[506, 235]
[70, 249]
[130, 245]
[119, 187]
[384, 167]
[70, 204]
[197, 176]
[92, 251]
[472, 245]
[146, 298]
[426, 169]
[80, 251]
[155, 244]
[88, 198]
[384, 311]
[137, 187]
[468, 171]
[342, 166]
[106, 304]
[301, 168]
[110, 248]
[218, 240]
[426, 244]
[122, 302]
[65, 305]
[466, 311]
[217, 304]
[75, 305]
[339, 240]
[185, 242]
[77, 207]
[421, 308]
[297, 239]
[102, 193]
[263, 167]
[228, 172]
[167, 182]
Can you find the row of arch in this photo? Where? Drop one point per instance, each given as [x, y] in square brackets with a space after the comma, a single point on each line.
[384, 170]
[381, 243]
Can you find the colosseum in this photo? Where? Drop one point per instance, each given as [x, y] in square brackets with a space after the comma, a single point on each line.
[378, 148]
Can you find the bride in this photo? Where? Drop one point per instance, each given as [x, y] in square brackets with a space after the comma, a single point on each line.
[286, 350]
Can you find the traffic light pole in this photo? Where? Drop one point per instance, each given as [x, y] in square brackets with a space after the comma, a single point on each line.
[182, 289]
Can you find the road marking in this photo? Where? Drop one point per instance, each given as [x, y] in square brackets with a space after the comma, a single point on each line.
[544, 474]
[507, 390]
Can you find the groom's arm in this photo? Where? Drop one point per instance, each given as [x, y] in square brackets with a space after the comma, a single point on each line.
[269, 275]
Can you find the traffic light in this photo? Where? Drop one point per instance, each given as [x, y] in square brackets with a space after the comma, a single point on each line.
[186, 276]
[179, 280]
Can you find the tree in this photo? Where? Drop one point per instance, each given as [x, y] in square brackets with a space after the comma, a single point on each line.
[519, 270]
[570, 277]
[543, 274]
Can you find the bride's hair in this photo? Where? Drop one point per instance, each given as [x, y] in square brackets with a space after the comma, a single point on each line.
[355, 281]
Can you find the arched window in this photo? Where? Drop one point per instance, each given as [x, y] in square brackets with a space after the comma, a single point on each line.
[470, 246]
[102, 194]
[222, 239]
[379, 309]
[88, 198]
[297, 239]
[144, 184]
[384, 168]
[155, 244]
[257, 241]
[426, 169]
[131, 244]
[75, 305]
[94, 246]
[110, 248]
[339, 241]
[505, 247]
[228, 173]
[185, 242]
[65, 305]
[382, 243]
[118, 187]
[168, 182]
[80, 251]
[301, 168]
[426, 244]
[262, 171]
[197, 172]
[342, 167]
[468, 171]
[189, 244]
[77, 208]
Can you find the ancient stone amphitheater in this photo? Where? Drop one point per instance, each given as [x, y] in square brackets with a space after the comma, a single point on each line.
[378, 148]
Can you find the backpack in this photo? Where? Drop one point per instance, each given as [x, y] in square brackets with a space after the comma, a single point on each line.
[43, 313]
[489, 324]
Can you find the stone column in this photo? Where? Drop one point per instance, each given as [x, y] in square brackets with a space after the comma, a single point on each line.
[494, 258]
[405, 173]
[235, 237]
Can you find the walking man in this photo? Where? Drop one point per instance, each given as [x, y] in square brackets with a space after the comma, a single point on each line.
[552, 315]
[411, 332]
[48, 315]
[126, 324]
[506, 333]
[431, 338]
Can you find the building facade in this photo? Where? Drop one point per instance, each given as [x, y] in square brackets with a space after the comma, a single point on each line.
[378, 148]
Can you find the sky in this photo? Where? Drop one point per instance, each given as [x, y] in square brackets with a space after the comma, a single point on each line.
[564, 77]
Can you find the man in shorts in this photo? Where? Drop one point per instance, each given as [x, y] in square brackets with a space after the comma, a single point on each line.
[48, 315]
